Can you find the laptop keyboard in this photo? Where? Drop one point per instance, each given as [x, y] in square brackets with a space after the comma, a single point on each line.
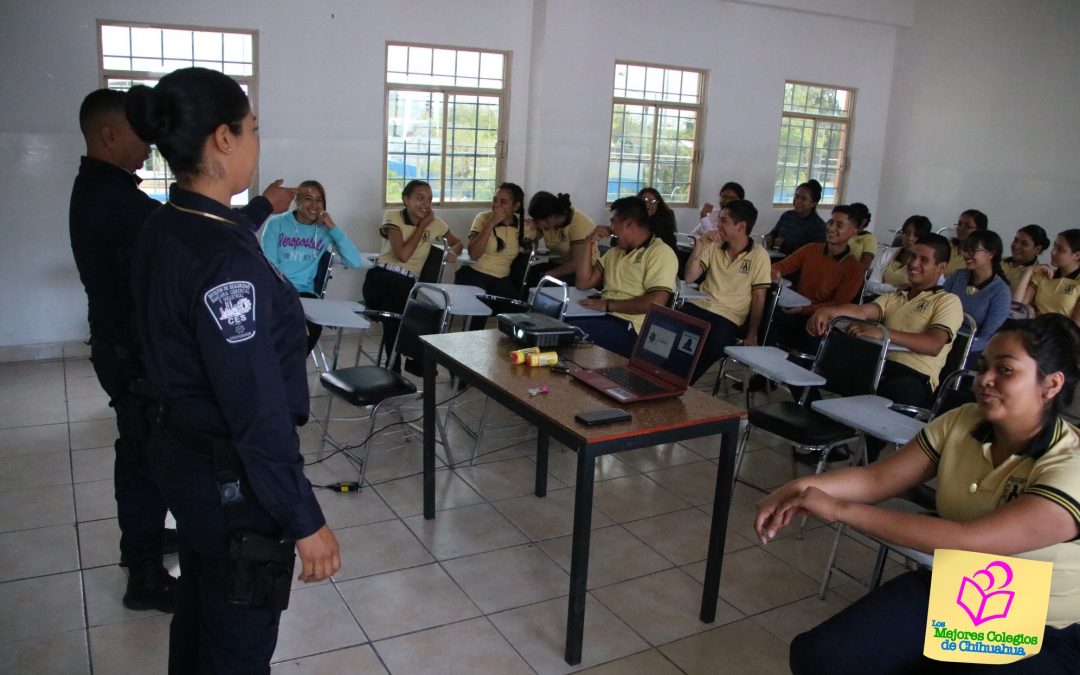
[635, 383]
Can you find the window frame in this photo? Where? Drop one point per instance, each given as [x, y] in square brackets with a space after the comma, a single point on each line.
[447, 91]
[250, 81]
[699, 108]
[849, 124]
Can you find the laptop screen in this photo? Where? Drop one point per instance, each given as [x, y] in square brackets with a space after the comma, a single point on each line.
[669, 341]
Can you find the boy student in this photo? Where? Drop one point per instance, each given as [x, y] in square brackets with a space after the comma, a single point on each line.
[633, 275]
[736, 278]
[828, 275]
[923, 318]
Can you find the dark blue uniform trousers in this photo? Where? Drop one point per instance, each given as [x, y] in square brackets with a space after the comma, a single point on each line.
[883, 633]
[610, 332]
[207, 634]
[140, 509]
[722, 333]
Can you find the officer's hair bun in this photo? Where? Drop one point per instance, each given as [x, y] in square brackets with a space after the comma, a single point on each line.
[186, 107]
[145, 115]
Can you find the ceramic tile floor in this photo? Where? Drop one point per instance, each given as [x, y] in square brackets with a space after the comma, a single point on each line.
[481, 589]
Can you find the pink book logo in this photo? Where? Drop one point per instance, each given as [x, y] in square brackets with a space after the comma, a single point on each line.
[978, 592]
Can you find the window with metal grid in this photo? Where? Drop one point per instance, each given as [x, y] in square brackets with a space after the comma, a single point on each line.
[814, 129]
[135, 53]
[446, 111]
[655, 122]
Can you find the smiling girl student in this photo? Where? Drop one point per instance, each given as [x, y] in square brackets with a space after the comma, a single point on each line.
[407, 236]
[1055, 290]
[1008, 472]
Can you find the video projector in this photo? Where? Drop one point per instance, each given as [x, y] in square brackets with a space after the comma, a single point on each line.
[533, 329]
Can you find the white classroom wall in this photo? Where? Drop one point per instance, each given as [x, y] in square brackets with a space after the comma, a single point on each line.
[984, 114]
[320, 103]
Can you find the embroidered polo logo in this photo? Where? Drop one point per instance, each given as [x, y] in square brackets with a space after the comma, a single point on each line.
[232, 306]
[744, 267]
[922, 306]
[1014, 485]
[427, 236]
[1069, 289]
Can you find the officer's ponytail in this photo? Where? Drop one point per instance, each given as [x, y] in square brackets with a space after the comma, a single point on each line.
[185, 108]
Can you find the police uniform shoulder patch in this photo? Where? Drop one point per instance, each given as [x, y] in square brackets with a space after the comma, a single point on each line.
[232, 304]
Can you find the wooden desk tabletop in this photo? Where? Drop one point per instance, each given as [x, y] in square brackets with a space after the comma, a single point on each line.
[486, 353]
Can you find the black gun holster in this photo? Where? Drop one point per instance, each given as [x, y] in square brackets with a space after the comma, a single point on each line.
[261, 566]
[262, 569]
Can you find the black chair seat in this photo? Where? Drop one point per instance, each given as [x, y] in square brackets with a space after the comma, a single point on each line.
[366, 385]
[798, 424]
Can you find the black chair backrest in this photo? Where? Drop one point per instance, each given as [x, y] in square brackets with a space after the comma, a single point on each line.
[431, 272]
[955, 390]
[851, 365]
[322, 272]
[961, 346]
[547, 304]
[420, 318]
[772, 297]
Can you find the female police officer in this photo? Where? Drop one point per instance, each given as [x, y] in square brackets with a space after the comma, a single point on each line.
[223, 335]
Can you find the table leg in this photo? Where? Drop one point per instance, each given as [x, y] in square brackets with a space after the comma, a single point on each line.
[429, 434]
[579, 556]
[541, 462]
[725, 477]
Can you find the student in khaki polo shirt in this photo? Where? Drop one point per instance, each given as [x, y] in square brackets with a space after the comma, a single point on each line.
[864, 244]
[923, 319]
[1056, 291]
[736, 278]
[1008, 473]
[564, 229]
[495, 239]
[1030, 241]
[407, 235]
[637, 273]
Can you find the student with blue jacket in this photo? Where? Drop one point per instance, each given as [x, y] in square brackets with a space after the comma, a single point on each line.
[295, 240]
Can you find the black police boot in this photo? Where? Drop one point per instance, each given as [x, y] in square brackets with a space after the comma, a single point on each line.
[150, 587]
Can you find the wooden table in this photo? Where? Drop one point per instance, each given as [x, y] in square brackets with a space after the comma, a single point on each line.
[480, 358]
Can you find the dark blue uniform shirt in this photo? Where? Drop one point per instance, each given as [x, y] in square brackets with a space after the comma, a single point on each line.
[107, 211]
[798, 232]
[224, 344]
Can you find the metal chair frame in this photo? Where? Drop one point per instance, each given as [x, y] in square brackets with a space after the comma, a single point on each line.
[819, 368]
[951, 383]
[361, 463]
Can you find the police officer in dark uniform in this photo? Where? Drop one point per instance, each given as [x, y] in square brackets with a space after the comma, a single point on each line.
[224, 347]
[107, 212]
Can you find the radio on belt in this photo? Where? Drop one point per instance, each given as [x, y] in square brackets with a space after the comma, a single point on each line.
[533, 329]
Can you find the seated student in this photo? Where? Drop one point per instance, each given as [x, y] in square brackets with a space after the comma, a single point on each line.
[407, 235]
[495, 239]
[828, 275]
[295, 240]
[1056, 291]
[709, 213]
[1024, 460]
[633, 275]
[923, 319]
[889, 270]
[981, 287]
[864, 244]
[801, 225]
[736, 278]
[970, 221]
[564, 229]
[1030, 241]
[661, 217]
